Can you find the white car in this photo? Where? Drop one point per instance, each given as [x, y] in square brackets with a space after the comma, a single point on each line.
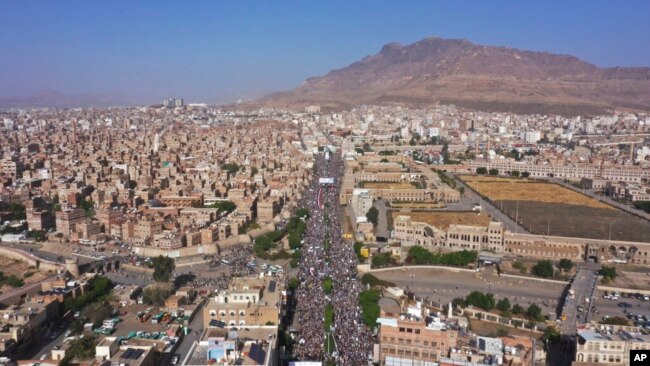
[174, 360]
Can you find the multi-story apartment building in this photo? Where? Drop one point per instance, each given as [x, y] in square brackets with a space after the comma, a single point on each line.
[605, 347]
[147, 228]
[360, 202]
[67, 219]
[247, 302]
[267, 210]
[413, 343]
[39, 219]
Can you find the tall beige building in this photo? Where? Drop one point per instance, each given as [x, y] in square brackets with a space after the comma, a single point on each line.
[67, 219]
[601, 347]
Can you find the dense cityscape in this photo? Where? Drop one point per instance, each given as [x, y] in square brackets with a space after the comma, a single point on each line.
[208, 183]
[248, 223]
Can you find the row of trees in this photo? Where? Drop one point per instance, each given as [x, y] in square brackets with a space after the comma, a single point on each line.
[493, 171]
[99, 287]
[544, 268]
[421, 256]
[294, 230]
[369, 302]
[487, 302]
[380, 260]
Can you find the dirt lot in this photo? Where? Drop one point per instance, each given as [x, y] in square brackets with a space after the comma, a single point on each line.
[486, 328]
[442, 219]
[578, 221]
[391, 185]
[21, 270]
[507, 189]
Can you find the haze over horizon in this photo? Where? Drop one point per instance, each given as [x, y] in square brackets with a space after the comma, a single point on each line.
[222, 51]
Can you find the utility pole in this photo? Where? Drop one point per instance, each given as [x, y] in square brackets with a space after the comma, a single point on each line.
[517, 219]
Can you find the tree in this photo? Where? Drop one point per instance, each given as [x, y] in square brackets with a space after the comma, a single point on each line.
[534, 312]
[373, 215]
[302, 212]
[254, 171]
[421, 256]
[494, 171]
[381, 260]
[384, 160]
[504, 305]
[517, 309]
[155, 296]
[369, 302]
[357, 249]
[327, 285]
[608, 273]
[525, 174]
[481, 300]
[231, 168]
[163, 267]
[224, 206]
[543, 268]
[515, 173]
[293, 283]
[551, 336]
[565, 264]
[642, 205]
[481, 170]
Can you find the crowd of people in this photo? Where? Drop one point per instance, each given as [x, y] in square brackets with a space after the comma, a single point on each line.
[336, 260]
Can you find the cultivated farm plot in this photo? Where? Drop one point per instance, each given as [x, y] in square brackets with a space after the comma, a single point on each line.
[389, 185]
[442, 219]
[547, 208]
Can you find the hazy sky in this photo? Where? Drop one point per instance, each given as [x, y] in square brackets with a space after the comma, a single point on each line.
[211, 50]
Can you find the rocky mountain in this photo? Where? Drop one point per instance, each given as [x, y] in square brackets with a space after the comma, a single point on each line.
[451, 71]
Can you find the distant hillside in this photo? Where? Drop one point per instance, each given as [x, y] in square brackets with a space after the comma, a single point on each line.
[437, 70]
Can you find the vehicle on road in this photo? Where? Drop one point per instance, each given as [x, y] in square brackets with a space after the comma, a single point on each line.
[175, 359]
[624, 305]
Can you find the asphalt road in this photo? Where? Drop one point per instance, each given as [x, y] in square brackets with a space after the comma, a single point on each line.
[186, 344]
[47, 344]
[441, 285]
[382, 221]
[583, 284]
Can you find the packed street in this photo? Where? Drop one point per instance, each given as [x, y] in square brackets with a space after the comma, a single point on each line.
[326, 255]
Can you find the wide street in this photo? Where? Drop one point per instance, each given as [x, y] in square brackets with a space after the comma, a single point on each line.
[441, 285]
[196, 329]
[582, 287]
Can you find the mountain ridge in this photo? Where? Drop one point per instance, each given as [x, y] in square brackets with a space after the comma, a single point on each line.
[436, 70]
